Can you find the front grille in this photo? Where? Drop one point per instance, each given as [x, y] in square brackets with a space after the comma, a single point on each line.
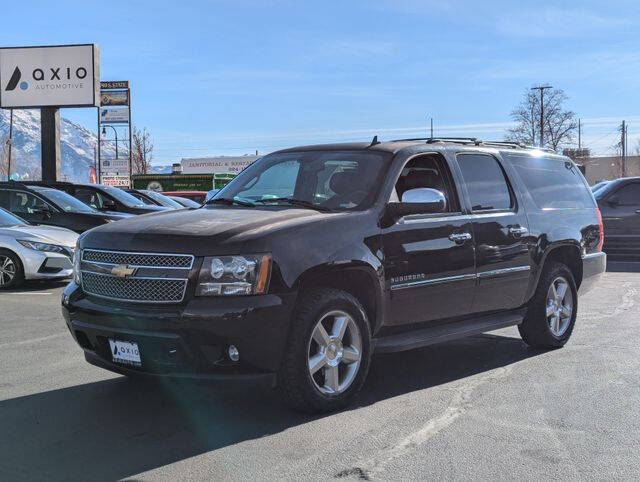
[134, 289]
[138, 277]
[138, 259]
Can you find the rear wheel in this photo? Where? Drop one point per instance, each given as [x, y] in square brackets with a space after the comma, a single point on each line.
[11, 272]
[551, 314]
[328, 353]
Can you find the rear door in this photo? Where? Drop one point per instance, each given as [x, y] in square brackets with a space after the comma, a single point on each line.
[500, 230]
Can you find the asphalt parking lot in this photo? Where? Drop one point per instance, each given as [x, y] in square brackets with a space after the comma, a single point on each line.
[481, 408]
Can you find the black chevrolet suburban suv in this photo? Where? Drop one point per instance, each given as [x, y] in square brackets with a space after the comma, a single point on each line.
[315, 258]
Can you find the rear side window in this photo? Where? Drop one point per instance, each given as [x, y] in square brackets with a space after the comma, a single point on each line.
[486, 183]
[553, 183]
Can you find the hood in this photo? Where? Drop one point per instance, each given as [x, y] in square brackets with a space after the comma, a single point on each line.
[196, 231]
[43, 234]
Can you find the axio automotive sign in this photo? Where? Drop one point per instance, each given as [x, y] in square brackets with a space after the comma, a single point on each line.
[49, 76]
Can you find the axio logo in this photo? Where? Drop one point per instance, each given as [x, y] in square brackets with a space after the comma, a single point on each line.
[15, 78]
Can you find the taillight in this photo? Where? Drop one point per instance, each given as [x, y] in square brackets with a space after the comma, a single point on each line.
[600, 230]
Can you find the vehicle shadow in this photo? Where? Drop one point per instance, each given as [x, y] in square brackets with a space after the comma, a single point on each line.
[37, 285]
[618, 265]
[118, 428]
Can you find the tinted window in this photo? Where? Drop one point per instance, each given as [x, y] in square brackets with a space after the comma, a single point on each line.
[426, 172]
[485, 181]
[628, 195]
[553, 183]
[67, 202]
[90, 197]
[21, 202]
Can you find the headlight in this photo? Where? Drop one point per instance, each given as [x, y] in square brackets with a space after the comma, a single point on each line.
[234, 275]
[49, 248]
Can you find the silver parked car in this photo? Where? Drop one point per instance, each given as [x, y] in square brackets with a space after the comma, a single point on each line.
[29, 251]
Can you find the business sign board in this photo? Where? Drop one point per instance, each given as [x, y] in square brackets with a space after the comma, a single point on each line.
[115, 181]
[63, 76]
[114, 115]
[114, 84]
[114, 97]
[114, 166]
[216, 165]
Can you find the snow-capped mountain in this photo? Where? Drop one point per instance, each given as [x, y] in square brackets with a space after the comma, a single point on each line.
[76, 146]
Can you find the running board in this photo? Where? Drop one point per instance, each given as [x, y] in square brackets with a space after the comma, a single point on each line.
[447, 332]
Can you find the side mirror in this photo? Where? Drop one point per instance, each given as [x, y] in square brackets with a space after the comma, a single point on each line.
[418, 201]
[613, 201]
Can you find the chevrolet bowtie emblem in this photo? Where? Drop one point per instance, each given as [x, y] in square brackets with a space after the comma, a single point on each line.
[122, 271]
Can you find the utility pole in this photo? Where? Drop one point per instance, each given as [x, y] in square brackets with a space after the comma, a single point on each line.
[542, 89]
[579, 135]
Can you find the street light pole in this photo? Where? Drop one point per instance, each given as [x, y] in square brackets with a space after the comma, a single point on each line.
[542, 89]
[104, 133]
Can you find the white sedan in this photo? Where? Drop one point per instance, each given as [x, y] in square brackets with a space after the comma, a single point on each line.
[30, 251]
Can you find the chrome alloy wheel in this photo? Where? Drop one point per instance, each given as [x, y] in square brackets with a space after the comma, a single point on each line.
[559, 306]
[334, 352]
[7, 270]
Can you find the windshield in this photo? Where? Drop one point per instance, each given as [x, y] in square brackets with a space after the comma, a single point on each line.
[122, 196]
[162, 199]
[65, 201]
[329, 180]
[7, 219]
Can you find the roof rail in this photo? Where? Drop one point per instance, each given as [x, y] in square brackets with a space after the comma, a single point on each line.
[11, 182]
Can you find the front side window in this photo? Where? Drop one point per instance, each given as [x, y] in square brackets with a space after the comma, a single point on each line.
[67, 202]
[332, 180]
[486, 182]
[90, 197]
[628, 195]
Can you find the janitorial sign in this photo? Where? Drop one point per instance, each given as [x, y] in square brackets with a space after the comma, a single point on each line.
[63, 76]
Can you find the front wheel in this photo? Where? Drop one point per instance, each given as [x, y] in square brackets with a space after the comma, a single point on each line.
[551, 314]
[11, 272]
[328, 352]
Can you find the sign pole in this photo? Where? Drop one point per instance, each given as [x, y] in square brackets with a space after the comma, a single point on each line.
[99, 154]
[50, 144]
[10, 144]
[130, 153]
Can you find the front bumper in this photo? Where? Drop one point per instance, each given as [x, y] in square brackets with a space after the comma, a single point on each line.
[188, 340]
[44, 265]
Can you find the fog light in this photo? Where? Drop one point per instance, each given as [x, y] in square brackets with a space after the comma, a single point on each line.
[234, 354]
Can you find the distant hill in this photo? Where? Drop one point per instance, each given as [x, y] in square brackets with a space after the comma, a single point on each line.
[76, 146]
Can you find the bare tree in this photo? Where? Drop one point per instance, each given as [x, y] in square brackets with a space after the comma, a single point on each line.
[4, 156]
[141, 151]
[559, 124]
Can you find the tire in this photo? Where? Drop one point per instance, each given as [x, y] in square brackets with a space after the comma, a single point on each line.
[11, 270]
[540, 328]
[339, 376]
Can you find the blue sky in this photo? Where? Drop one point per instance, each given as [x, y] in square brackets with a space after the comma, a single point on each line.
[233, 76]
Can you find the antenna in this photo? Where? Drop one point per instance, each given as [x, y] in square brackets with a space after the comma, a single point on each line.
[374, 141]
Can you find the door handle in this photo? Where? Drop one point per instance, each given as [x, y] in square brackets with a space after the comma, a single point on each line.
[460, 237]
[517, 231]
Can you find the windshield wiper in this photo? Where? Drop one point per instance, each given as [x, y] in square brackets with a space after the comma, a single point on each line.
[296, 202]
[229, 202]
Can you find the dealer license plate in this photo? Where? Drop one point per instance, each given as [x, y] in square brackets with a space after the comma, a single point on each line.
[125, 352]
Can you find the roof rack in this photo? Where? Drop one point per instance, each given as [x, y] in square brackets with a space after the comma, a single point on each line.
[476, 142]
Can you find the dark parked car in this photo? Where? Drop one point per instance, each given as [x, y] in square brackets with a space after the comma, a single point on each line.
[154, 198]
[315, 258]
[48, 206]
[102, 198]
[619, 203]
[185, 202]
